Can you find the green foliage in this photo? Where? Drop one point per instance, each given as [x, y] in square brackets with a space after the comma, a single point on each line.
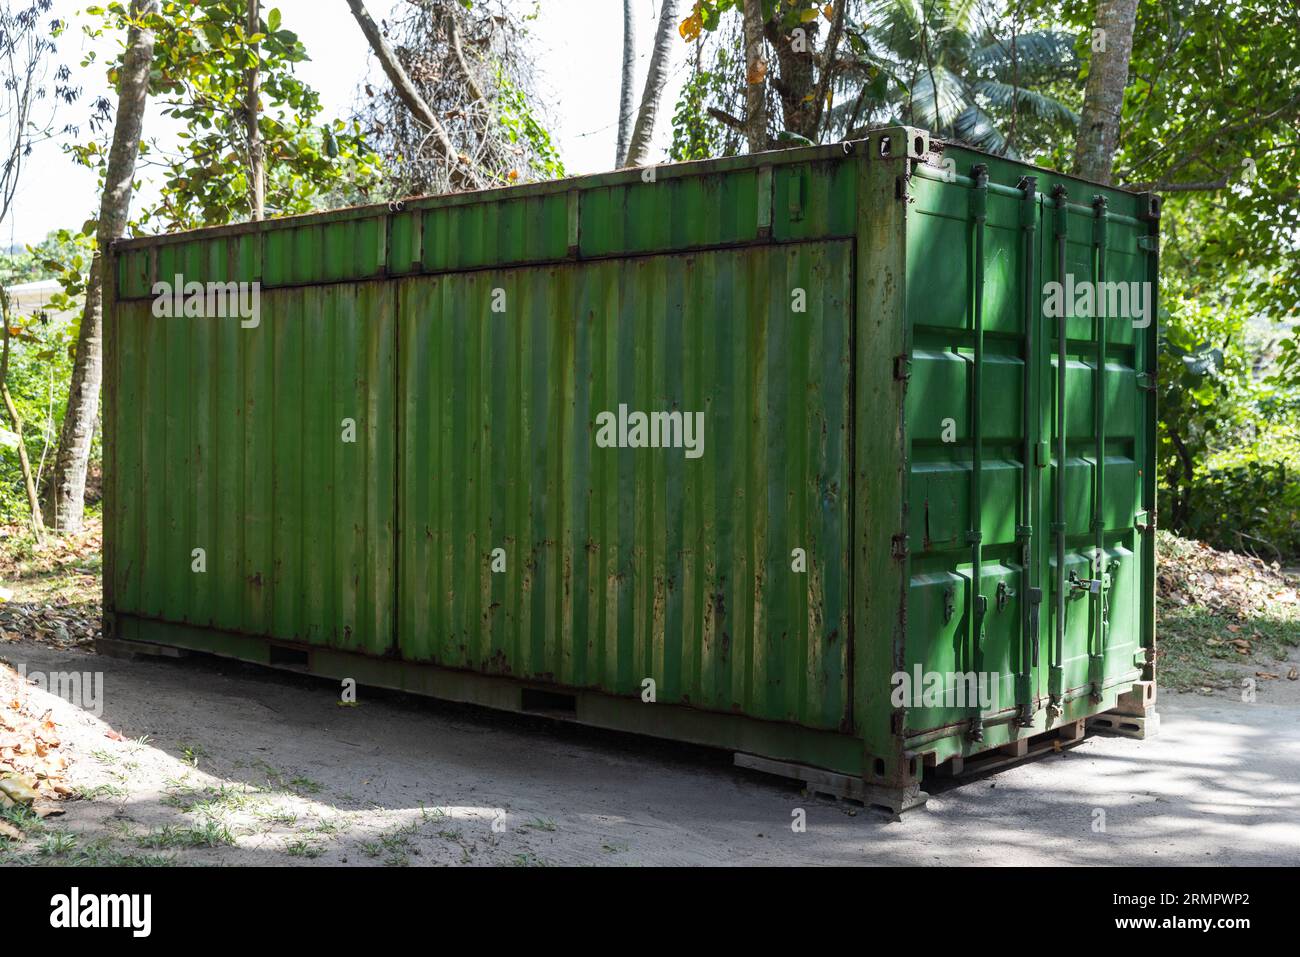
[520, 125]
[201, 55]
[42, 342]
[1229, 429]
[960, 68]
[696, 135]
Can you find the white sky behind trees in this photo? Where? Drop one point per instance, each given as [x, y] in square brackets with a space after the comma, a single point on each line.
[577, 47]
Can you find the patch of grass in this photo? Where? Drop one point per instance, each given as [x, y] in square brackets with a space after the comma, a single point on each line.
[299, 784]
[394, 846]
[277, 815]
[541, 824]
[302, 785]
[209, 833]
[210, 801]
[22, 817]
[190, 753]
[327, 826]
[1214, 607]
[103, 791]
[309, 849]
[103, 853]
[1194, 643]
[528, 860]
[56, 844]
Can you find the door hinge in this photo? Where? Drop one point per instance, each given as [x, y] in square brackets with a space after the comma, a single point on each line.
[902, 368]
[1146, 381]
[1143, 521]
[1149, 244]
[898, 547]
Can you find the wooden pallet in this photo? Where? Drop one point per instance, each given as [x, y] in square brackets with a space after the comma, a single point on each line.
[1054, 740]
[843, 787]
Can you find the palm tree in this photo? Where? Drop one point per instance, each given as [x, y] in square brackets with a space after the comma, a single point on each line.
[948, 66]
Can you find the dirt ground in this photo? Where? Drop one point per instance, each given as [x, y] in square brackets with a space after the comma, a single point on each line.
[198, 761]
[210, 762]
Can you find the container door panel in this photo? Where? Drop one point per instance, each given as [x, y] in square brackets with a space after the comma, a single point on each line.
[631, 470]
[968, 652]
[1095, 488]
[255, 468]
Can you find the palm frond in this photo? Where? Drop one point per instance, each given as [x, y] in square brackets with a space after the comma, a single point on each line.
[1040, 53]
[978, 129]
[1006, 96]
[938, 97]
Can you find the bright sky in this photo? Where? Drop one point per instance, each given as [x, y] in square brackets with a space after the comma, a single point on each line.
[578, 46]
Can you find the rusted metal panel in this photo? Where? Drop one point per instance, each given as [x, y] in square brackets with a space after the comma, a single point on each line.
[232, 440]
[617, 565]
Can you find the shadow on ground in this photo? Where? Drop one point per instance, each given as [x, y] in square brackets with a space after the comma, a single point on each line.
[202, 761]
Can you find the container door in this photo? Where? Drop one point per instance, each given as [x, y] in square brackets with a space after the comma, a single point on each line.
[1096, 292]
[974, 480]
[635, 471]
[255, 467]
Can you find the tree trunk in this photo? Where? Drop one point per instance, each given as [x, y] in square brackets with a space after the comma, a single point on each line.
[1103, 98]
[796, 82]
[638, 147]
[627, 96]
[67, 499]
[461, 175]
[256, 158]
[755, 78]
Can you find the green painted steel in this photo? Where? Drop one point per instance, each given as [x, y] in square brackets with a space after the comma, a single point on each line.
[902, 462]
[617, 564]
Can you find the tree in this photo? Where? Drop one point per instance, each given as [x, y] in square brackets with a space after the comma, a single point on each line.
[1103, 99]
[459, 170]
[627, 95]
[956, 67]
[27, 115]
[638, 151]
[68, 482]
[206, 62]
[252, 109]
[466, 68]
[755, 122]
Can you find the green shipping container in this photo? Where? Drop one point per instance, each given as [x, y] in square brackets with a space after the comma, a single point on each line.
[841, 457]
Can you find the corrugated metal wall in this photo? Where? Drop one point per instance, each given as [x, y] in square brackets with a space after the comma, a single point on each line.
[625, 564]
[231, 440]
